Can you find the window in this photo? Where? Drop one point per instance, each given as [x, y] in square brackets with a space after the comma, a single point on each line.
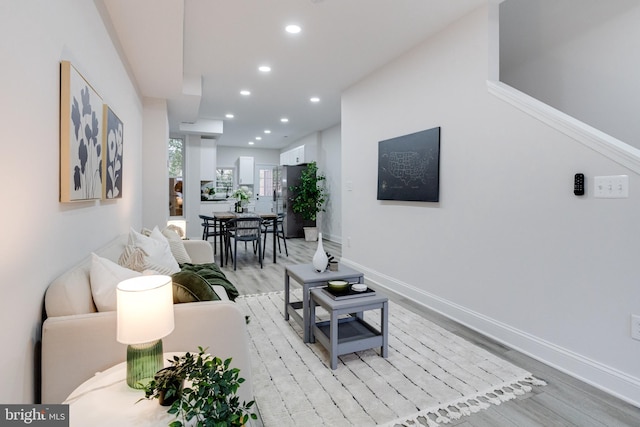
[224, 182]
[176, 166]
[265, 187]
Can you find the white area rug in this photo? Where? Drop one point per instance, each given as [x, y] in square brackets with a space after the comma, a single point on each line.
[430, 377]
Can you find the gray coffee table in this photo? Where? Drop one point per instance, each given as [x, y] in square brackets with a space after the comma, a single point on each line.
[309, 278]
[342, 335]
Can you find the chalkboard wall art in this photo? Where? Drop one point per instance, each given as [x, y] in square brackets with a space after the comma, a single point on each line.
[409, 167]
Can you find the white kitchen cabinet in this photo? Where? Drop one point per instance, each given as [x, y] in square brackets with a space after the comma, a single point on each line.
[244, 166]
[298, 155]
[295, 156]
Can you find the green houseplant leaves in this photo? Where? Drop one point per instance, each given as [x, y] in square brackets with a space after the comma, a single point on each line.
[309, 196]
[210, 397]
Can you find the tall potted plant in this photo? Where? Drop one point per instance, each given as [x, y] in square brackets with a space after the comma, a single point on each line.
[308, 198]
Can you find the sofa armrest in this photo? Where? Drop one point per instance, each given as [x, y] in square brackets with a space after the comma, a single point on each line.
[74, 348]
[200, 251]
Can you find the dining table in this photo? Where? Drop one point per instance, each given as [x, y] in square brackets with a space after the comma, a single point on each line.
[221, 219]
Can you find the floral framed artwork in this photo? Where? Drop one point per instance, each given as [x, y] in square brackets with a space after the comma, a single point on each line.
[112, 163]
[81, 148]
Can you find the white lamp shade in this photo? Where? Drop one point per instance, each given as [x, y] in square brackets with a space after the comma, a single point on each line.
[145, 309]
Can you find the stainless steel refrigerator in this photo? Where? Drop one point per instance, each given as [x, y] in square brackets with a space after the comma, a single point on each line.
[283, 178]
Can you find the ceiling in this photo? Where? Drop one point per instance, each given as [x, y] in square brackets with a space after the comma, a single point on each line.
[199, 54]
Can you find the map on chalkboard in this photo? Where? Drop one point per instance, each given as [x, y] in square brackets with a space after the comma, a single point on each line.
[409, 167]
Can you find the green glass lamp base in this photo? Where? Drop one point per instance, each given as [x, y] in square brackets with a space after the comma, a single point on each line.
[143, 361]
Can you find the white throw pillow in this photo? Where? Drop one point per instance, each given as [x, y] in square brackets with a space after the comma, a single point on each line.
[104, 276]
[133, 258]
[170, 234]
[158, 251]
[177, 246]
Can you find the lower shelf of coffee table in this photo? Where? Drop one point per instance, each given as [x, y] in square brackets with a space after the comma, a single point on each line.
[354, 334]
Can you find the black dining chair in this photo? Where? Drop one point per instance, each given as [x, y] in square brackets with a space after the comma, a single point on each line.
[244, 229]
[267, 230]
[210, 229]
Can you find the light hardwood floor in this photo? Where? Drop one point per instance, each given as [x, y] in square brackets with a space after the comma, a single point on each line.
[564, 401]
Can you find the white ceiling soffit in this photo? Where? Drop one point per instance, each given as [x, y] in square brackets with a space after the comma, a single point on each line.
[151, 35]
[186, 107]
[203, 127]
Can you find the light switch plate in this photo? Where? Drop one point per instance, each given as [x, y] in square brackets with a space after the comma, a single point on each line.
[611, 187]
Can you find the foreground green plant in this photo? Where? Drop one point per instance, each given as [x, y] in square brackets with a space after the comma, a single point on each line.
[211, 397]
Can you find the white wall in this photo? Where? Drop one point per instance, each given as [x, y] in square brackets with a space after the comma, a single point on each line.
[41, 236]
[508, 250]
[191, 184]
[329, 163]
[227, 156]
[208, 159]
[155, 178]
[579, 57]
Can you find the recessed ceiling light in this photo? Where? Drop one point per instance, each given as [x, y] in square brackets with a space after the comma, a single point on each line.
[264, 68]
[267, 131]
[284, 120]
[293, 29]
[314, 99]
[245, 92]
[259, 138]
[229, 116]
[250, 142]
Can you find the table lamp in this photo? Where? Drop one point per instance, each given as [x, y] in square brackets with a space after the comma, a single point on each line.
[144, 317]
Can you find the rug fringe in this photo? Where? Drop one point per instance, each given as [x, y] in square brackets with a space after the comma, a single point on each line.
[454, 410]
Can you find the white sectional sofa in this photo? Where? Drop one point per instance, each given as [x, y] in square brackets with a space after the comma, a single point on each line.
[78, 341]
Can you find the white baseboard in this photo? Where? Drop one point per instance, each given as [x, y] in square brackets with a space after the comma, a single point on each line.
[603, 377]
[332, 238]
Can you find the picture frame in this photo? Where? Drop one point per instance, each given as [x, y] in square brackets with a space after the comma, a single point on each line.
[112, 167]
[409, 167]
[81, 145]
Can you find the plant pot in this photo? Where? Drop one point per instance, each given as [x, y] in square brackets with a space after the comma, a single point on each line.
[168, 401]
[310, 234]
